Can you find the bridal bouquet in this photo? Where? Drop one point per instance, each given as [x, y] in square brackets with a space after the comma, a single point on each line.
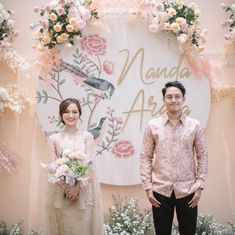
[70, 168]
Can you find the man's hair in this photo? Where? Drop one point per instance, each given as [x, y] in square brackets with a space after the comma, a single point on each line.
[176, 84]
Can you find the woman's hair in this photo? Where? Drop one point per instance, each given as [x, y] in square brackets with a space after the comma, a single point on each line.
[176, 84]
[64, 105]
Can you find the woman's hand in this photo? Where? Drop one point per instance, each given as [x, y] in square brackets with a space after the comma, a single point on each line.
[72, 192]
[62, 184]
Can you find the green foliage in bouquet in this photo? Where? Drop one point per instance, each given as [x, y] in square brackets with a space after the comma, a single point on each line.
[125, 218]
[79, 169]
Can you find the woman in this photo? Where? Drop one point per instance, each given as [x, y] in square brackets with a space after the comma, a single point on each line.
[73, 210]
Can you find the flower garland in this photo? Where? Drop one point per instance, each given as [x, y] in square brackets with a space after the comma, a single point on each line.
[12, 99]
[8, 55]
[230, 23]
[179, 20]
[7, 159]
[63, 23]
[228, 56]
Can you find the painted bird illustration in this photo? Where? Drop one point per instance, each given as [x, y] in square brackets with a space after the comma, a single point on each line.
[94, 82]
[96, 131]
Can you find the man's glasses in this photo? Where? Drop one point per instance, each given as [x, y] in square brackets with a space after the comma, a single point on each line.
[175, 97]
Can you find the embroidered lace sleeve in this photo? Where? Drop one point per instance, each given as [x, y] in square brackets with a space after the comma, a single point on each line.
[51, 148]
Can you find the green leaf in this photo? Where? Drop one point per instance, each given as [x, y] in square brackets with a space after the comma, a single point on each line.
[39, 97]
[110, 125]
[111, 133]
[62, 82]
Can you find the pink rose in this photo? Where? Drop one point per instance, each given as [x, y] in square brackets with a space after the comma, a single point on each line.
[123, 148]
[47, 9]
[36, 9]
[94, 44]
[108, 67]
[62, 2]
[60, 11]
[5, 44]
[44, 24]
[159, 7]
[227, 36]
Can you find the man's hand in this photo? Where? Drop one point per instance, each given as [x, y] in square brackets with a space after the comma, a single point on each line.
[152, 199]
[194, 201]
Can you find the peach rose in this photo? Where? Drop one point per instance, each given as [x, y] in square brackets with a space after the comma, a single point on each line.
[57, 28]
[69, 28]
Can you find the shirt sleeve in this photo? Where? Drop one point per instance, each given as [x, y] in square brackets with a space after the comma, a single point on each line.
[201, 156]
[146, 158]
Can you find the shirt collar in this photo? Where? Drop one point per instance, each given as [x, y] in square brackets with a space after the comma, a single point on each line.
[165, 118]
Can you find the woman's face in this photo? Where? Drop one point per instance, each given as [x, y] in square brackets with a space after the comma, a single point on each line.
[71, 115]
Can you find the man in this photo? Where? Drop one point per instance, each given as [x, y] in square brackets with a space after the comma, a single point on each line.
[175, 177]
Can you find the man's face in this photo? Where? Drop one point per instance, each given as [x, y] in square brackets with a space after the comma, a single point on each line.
[173, 99]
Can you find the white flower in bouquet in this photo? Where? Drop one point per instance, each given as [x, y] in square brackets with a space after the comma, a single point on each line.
[66, 152]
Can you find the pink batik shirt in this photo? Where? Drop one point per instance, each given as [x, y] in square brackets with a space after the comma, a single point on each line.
[174, 158]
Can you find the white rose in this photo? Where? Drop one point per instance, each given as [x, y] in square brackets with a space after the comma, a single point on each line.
[233, 7]
[1, 18]
[197, 12]
[180, 20]
[167, 26]
[154, 28]
[66, 152]
[5, 14]
[155, 20]
[171, 11]
[86, 14]
[175, 27]
[182, 38]
[179, 2]
[3, 94]
[193, 5]
[53, 4]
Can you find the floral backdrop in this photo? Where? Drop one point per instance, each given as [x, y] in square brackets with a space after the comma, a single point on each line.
[119, 87]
